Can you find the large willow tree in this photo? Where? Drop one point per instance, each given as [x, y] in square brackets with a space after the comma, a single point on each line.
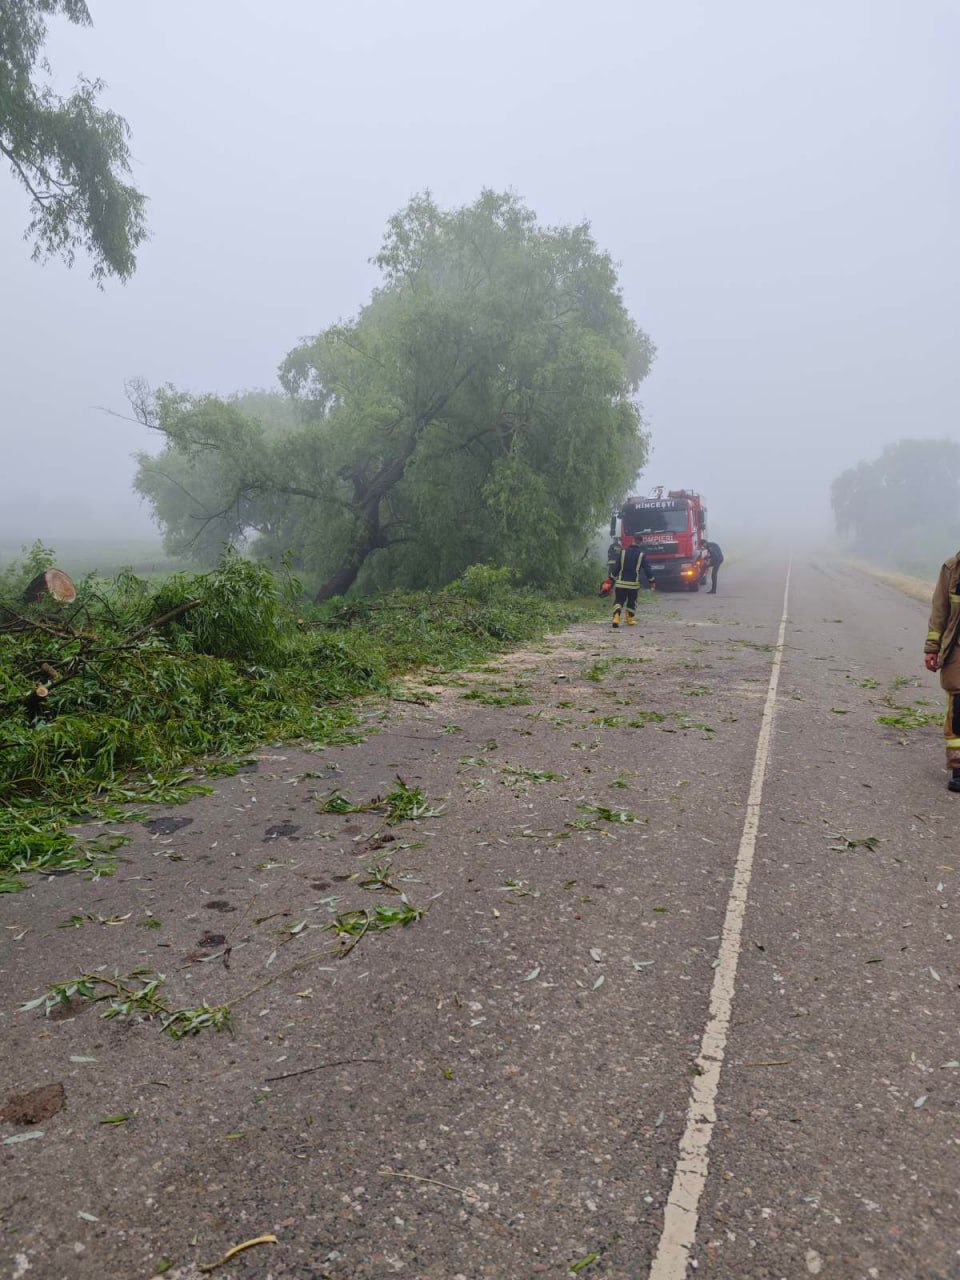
[479, 408]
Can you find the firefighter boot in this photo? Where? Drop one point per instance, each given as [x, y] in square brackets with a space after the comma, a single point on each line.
[954, 783]
[616, 617]
[631, 620]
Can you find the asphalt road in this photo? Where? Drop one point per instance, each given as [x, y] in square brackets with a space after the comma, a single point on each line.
[502, 1088]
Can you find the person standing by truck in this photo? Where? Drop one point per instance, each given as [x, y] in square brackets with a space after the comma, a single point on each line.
[941, 651]
[716, 560]
[625, 564]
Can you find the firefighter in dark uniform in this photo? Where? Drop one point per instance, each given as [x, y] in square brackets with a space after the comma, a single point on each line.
[716, 560]
[625, 566]
[941, 651]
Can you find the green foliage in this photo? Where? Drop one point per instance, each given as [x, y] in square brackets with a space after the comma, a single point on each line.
[377, 878]
[239, 617]
[407, 804]
[69, 154]
[15, 576]
[854, 842]
[116, 696]
[902, 508]
[606, 814]
[354, 924]
[909, 717]
[224, 477]
[402, 804]
[498, 698]
[446, 629]
[478, 410]
[337, 802]
[519, 773]
[137, 997]
[642, 718]
[484, 584]
[103, 701]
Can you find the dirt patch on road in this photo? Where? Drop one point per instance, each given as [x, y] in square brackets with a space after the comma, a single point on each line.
[34, 1107]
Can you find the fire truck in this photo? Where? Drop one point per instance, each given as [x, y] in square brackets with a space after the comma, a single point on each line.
[672, 531]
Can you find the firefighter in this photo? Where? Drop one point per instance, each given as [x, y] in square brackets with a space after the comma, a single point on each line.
[941, 651]
[716, 560]
[625, 564]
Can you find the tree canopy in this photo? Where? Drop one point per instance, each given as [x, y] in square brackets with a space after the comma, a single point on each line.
[904, 504]
[69, 154]
[479, 408]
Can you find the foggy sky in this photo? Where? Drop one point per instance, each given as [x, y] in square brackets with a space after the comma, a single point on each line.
[779, 183]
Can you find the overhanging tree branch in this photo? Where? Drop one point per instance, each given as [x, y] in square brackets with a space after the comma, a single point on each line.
[70, 155]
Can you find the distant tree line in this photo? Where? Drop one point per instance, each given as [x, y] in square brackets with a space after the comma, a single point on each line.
[902, 507]
[479, 408]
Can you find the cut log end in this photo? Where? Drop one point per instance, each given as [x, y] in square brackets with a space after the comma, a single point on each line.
[53, 583]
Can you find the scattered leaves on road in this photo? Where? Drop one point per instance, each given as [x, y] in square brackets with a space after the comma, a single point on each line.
[845, 843]
[582, 1263]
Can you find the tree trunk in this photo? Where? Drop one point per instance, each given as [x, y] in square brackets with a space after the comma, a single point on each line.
[53, 583]
[367, 496]
[339, 582]
[371, 538]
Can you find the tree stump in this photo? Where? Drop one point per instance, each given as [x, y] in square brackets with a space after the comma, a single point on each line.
[53, 583]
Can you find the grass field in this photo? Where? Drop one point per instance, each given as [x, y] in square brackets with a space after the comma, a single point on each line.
[79, 557]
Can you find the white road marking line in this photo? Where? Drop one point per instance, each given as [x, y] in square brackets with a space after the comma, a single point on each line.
[681, 1213]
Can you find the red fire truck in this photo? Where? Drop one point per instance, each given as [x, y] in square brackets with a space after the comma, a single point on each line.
[672, 531]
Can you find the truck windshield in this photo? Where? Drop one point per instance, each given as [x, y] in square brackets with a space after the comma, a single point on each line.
[654, 520]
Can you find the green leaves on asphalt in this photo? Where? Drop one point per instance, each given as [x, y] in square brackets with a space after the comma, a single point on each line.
[845, 843]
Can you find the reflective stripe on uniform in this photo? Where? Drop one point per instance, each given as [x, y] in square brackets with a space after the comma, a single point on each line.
[952, 743]
[933, 635]
[628, 584]
[954, 599]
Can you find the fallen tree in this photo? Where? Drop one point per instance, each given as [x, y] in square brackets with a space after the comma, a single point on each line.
[126, 692]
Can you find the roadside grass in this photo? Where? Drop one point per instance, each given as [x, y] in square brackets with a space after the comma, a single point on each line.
[135, 690]
[916, 588]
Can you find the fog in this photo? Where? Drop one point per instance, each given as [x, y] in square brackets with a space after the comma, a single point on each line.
[778, 184]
